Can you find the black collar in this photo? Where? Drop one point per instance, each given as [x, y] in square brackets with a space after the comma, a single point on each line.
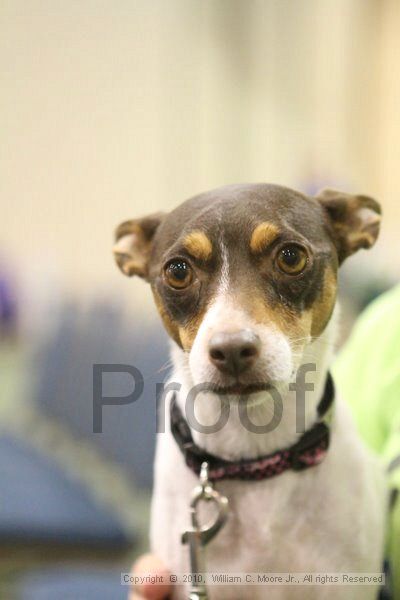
[308, 451]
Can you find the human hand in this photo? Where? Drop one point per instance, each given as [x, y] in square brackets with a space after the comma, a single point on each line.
[149, 564]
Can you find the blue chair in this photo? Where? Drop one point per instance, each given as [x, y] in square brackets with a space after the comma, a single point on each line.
[65, 389]
[41, 506]
[71, 584]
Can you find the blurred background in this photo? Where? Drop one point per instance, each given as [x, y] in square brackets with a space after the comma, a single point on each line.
[111, 110]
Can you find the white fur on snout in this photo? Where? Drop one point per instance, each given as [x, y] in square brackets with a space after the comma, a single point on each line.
[225, 315]
[275, 363]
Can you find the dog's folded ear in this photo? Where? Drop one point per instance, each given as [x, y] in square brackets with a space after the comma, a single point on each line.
[134, 242]
[355, 220]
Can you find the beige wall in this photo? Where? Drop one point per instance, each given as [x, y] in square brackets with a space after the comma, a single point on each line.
[388, 117]
[114, 109]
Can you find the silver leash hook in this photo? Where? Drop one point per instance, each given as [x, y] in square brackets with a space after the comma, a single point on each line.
[200, 535]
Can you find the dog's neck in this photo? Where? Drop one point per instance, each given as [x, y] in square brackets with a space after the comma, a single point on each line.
[236, 439]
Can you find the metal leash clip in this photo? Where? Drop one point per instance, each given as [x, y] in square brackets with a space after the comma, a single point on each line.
[198, 536]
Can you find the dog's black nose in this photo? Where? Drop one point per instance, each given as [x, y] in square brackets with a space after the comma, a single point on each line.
[236, 352]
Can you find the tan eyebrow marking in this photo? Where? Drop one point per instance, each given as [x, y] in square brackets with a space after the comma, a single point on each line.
[263, 235]
[198, 245]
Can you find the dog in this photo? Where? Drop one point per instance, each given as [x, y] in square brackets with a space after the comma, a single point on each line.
[245, 280]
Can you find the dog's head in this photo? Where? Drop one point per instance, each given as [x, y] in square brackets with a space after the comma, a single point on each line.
[245, 276]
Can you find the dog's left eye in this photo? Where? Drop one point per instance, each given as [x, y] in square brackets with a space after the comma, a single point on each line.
[292, 259]
[178, 274]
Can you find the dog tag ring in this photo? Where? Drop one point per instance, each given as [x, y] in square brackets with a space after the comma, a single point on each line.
[198, 536]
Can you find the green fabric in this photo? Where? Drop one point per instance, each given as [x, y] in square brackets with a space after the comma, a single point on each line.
[367, 373]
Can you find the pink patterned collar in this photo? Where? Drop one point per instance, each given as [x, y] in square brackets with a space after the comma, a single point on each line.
[308, 451]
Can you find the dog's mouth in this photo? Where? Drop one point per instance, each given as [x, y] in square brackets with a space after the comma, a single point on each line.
[241, 389]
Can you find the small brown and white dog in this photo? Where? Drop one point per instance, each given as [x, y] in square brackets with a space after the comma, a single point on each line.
[245, 280]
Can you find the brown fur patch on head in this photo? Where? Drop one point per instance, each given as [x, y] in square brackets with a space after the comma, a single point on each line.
[322, 309]
[263, 235]
[189, 331]
[296, 327]
[198, 245]
[170, 325]
[183, 335]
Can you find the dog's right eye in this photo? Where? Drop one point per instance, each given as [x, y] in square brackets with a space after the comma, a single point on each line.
[178, 274]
